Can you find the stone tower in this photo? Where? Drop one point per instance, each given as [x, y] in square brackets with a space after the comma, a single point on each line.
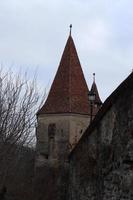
[61, 122]
[66, 110]
[97, 103]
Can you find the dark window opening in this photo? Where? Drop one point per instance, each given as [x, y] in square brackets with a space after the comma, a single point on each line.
[128, 162]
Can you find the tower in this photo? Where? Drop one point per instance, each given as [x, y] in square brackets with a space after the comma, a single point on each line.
[65, 115]
[97, 102]
[61, 122]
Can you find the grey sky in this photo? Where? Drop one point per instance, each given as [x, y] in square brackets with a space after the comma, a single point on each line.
[33, 34]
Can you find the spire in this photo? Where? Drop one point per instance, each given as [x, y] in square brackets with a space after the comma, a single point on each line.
[70, 29]
[69, 91]
[93, 77]
[95, 90]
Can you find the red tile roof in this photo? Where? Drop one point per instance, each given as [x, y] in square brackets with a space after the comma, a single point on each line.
[95, 90]
[69, 91]
[97, 103]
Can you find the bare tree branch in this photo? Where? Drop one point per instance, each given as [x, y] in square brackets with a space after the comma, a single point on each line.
[19, 102]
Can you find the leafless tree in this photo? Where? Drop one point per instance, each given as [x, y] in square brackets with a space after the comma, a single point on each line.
[19, 101]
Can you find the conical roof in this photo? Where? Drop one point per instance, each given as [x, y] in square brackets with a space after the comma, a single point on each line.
[95, 90]
[69, 91]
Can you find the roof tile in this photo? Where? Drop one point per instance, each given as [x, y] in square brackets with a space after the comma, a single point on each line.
[69, 91]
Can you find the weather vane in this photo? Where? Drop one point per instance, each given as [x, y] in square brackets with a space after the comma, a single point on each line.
[70, 28]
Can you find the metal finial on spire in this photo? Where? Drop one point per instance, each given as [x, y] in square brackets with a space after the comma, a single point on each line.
[94, 77]
[70, 28]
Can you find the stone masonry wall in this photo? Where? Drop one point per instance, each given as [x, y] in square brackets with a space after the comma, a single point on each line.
[101, 165]
[56, 134]
[51, 181]
[69, 128]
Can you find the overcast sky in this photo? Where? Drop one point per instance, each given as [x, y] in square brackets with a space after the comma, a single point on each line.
[33, 34]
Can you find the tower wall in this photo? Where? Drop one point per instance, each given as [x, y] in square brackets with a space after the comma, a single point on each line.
[56, 136]
[68, 128]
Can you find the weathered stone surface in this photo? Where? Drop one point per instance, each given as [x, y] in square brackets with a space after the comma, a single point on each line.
[69, 129]
[17, 172]
[101, 165]
[56, 135]
[51, 181]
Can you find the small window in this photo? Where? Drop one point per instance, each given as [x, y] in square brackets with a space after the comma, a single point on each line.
[51, 130]
[62, 134]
